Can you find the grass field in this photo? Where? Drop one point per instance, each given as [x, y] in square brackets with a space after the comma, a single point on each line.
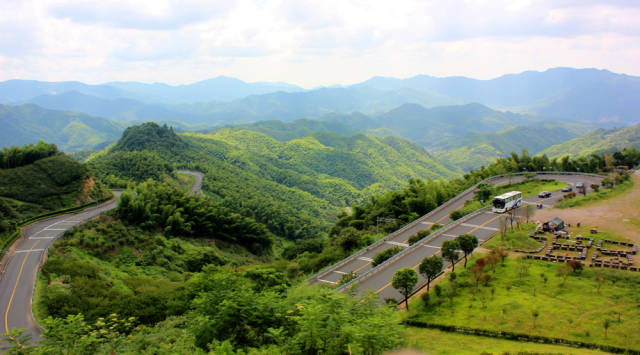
[573, 309]
[532, 187]
[434, 341]
[603, 194]
[518, 239]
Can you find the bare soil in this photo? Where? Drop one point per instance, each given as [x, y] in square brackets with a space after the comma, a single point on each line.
[619, 215]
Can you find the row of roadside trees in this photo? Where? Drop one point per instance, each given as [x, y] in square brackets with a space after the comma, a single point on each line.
[406, 279]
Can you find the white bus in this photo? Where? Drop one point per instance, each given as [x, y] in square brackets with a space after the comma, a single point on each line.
[507, 201]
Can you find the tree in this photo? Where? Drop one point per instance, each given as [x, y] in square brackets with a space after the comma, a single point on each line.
[450, 252]
[595, 187]
[606, 324]
[477, 271]
[564, 271]
[467, 243]
[404, 281]
[529, 211]
[535, 315]
[523, 267]
[483, 192]
[430, 267]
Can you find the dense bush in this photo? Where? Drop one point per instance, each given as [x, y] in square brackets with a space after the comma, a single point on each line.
[159, 206]
[20, 156]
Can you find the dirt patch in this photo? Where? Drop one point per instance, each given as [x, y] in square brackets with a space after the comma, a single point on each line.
[619, 215]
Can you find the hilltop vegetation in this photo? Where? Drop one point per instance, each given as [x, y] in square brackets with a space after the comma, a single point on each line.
[294, 187]
[36, 179]
[598, 142]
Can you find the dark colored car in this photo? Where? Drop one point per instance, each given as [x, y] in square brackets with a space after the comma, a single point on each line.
[567, 188]
[544, 194]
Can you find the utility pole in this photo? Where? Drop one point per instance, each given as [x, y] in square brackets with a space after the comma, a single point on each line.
[385, 220]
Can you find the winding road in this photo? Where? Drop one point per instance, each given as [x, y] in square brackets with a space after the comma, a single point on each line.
[483, 225]
[18, 280]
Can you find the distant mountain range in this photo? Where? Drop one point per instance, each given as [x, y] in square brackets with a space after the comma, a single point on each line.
[587, 96]
[70, 131]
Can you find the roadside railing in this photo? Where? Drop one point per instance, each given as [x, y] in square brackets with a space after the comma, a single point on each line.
[326, 270]
[369, 273]
[7, 246]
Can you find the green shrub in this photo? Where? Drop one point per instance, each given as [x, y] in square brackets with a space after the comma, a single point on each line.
[418, 236]
[382, 256]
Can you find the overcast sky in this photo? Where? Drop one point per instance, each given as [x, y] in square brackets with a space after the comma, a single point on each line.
[311, 43]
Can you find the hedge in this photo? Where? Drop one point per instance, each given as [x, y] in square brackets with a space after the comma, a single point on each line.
[520, 337]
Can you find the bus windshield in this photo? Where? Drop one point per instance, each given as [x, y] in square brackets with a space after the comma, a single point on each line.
[498, 203]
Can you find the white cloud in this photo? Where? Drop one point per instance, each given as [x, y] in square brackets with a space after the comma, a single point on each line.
[311, 42]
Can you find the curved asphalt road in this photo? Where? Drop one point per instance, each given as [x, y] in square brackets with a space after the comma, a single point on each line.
[18, 281]
[483, 226]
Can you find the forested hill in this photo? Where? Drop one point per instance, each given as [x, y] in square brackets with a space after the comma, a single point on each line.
[296, 187]
[475, 150]
[598, 141]
[35, 179]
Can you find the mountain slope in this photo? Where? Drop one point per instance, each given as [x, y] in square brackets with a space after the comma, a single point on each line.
[479, 149]
[27, 124]
[598, 141]
[296, 187]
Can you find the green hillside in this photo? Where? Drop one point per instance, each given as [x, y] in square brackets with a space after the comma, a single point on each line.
[294, 187]
[479, 149]
[27, 124]
[38, 179]
[598, 141]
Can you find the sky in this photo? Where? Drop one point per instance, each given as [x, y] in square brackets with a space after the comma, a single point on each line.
[311, 43]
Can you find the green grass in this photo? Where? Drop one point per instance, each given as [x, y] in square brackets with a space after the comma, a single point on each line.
[572, 310]
[434, 341]
[532, 187]
[185, 181]
[518, 239]
[593, 197]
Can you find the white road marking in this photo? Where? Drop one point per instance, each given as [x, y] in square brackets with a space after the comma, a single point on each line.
[427, 223]
[364, 258]
[480, 227]
[340, 272]
[55, 229]
[404, 245]
[430, 246]
[42, 238]
[449, 235]
[29, 251]
[327, 281]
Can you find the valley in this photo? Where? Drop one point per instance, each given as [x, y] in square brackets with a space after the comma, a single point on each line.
[274, 217]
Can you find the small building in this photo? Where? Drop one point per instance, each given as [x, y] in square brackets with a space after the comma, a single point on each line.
[553, 225]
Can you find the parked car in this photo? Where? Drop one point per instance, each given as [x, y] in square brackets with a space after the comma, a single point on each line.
[580, 185]
[567, 188]
[544, 194]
